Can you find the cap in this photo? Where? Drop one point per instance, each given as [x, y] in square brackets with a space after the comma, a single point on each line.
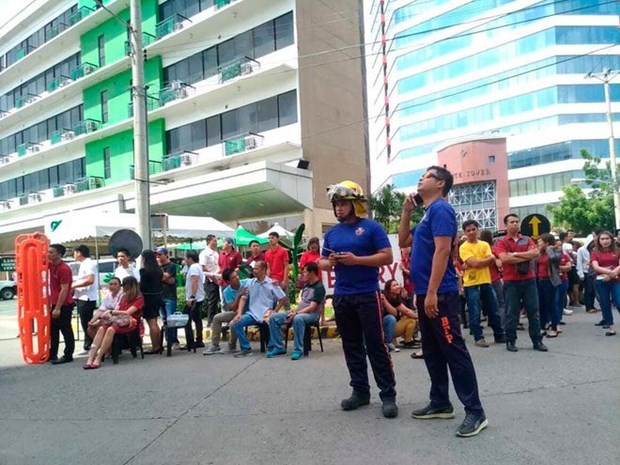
[230, 240]
[161, 251]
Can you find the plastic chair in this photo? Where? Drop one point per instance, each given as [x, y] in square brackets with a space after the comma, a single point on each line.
[307, 336]
[131, 341]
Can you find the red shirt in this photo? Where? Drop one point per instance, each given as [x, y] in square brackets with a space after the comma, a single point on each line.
[508, 245]
[607, 260]
[564, 260]
[138, 303]
[543, 266]
[230, 260]
[277, 260]
[495, 274]
[60, 274]
[308, 257]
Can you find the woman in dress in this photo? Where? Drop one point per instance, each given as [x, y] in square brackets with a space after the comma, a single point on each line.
[122, 320]
[151, 286]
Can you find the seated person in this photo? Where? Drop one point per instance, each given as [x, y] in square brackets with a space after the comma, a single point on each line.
[122, 320]
[398, 319]
[110, 302]
[309, 311]
[262, 293]
[231, 297]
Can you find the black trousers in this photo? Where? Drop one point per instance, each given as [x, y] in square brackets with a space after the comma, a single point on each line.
[444, 348]
[359, 322]
[62, 324]
[86, 308]
[196, 317]
[212, 295]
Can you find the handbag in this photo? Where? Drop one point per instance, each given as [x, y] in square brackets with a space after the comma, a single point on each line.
[177, 320]
[122, 320]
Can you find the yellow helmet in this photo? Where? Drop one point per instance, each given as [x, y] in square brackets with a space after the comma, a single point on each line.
[345, 190]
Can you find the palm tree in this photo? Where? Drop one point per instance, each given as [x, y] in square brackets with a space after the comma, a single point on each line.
[386, 206]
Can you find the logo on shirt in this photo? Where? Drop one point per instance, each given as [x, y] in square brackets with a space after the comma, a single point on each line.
[359, 231]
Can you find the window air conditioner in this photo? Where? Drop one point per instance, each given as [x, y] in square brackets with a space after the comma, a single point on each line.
[5, 205]
[250, 142]
[246, 68]
[186, 159]
[68, 135]
[34, 197]
[34, 148]
[70, 189]
[89, 69]
[91, 126]
[3, 114]
[65, 82]
[176, 85]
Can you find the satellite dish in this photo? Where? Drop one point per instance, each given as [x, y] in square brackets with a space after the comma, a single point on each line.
[125, 239]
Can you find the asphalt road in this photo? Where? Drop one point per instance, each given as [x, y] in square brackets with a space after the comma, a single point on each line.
[561, 407]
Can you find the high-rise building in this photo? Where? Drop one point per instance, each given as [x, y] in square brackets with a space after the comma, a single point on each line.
[253, 106]
[451, 73]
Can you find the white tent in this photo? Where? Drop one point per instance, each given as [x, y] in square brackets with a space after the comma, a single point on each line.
[72, 227]
[284, 234]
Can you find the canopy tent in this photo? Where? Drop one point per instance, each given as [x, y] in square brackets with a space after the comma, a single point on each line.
[284, 234]
[72, 227]
[244, 237]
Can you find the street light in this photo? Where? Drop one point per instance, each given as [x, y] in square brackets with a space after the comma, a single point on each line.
[605, 77]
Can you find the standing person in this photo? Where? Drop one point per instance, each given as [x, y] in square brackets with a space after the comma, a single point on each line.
[311, 255]
[436, 291]
[61, 303]
[355, 248]
[516, 253]
[586, 273]
[86, 290]
[151, 287]
[169, 292]
[256, 254]
[125, 267]
[209, 259]
[478, 258]
[572, 292]
[405, 266]
[194, 294]
[496, 275]
[549, 283]
[277, 261]
[606, 264]
[229, 258]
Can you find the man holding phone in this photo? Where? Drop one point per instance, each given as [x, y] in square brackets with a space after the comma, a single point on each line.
[436, 288]
[355, 248]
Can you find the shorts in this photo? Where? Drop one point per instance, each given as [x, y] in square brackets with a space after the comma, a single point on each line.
[152, 304]
[573, 277]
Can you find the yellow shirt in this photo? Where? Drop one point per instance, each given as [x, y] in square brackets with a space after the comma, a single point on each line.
[475, 276]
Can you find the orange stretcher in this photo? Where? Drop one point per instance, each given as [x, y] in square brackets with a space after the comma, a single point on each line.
[33, 310]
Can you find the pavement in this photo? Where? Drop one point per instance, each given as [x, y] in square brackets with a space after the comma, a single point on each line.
[543, 408]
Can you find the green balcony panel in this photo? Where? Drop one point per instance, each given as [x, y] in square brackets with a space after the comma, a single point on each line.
[52, 32]
[88, 184]
[234, 146]
[53, 85]
[165, 27]
[20, 102]
[86, 126]
[56, 137]
[22, 149]
[21, 53]
[231, 71]
[23, 200]
[59, 191]
[221, 3]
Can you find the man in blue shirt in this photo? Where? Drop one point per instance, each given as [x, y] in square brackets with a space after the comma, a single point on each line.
[231, 296]
[436, 288]
[262, 292]
[355, 248]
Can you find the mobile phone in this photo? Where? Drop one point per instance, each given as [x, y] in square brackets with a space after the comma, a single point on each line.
[416, 199]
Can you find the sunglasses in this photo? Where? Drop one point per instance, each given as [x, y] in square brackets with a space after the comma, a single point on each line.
[430, 174]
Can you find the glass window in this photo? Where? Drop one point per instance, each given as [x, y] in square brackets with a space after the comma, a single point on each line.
[185, 137]
[287, 108]
[101, 50]
[107, 165]
[104, 106]
[53, 175]
[230, 124]
[199, 134]
[267, 114]
[182, 70]
[284, 31]
[172, 141]
[226, 52]
[264, 40]
[243, 45]
[192, 7]
[247, 119]
[209, 62]
[214, 135]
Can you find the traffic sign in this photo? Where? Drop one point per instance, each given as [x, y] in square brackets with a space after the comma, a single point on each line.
[535, 225]
[7, 263]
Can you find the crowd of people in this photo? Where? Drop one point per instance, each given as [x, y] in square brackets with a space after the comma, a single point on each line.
[454, 276]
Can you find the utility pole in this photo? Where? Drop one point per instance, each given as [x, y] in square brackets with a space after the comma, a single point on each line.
[140, 128]
[605, 77]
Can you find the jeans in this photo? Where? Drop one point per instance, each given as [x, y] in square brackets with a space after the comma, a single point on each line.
[560, 296]
[62, 324]
[300, 321]
[547, 299]
[216, 329]
[239, 328]
[85, 309]
[498, 287]
[167, 308]
[358, 318]
[517, 293]
[444, 348]
[212, 297]
[483, 293]
[606, 292]
[588, 290]
[389, 328]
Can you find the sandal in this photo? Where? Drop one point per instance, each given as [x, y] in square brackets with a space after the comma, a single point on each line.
[610, 333]
[552, 333]
[417, 355]
[88, 366]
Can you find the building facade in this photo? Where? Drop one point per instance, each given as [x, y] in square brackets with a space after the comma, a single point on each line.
[252, 110]
[443, 71]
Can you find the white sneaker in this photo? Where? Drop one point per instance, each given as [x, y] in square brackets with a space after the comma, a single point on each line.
[392, 348]
[566, 311]
[212, 350]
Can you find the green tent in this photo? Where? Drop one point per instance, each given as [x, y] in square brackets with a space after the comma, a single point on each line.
[243, 237]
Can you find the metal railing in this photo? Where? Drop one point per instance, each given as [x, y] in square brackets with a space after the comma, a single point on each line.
[80, 14]
[179, 160]
[175, 91]
[239, 67]
[152, 103]
[170, 25]
[155, 167]
[86, 126]
[83, 70]
[147, 39]
[58, 82]
[89, 183]
[239, 144]
[27, 147]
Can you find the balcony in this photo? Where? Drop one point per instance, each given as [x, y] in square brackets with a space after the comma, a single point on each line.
[179, 160]
[28, 148]
[147, 39]
[86, 126]
[236, 68]
[170, 25]
[83, 70]
[30, 198]
[5, 205]
[175, 91]
[152, 103]
[80, 14]
[88, 184]
[58, 191]
[61, 135]
[242, 144]
[58, 82]
[155, 167]
[221, 3]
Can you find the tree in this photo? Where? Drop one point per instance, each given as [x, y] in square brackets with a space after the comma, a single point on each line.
[386, 207]
[586, 212]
